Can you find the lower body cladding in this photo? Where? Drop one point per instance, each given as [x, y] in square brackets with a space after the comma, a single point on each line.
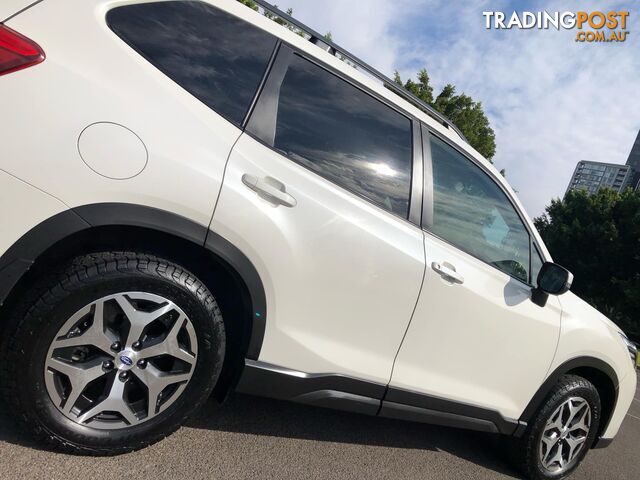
[345, 393]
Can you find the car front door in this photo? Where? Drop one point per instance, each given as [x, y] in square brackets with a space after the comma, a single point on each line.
[476, 339]
[318, 194]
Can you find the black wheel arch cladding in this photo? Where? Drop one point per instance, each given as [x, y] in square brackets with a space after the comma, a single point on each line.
[21, 256]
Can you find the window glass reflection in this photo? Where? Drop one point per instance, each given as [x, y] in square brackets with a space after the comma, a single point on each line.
[215, 56]
[472, 213]
[536, 265]
[345, 135]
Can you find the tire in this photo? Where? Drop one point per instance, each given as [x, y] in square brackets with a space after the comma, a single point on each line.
[535, 454]
[35, 357]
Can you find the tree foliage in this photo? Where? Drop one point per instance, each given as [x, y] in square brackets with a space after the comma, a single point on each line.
[462, 110]
[421, 89]
[597, 237]
[271, 16]
[250, 3]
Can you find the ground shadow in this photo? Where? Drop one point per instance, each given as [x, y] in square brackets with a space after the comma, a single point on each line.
[260, 416]
[265, 417]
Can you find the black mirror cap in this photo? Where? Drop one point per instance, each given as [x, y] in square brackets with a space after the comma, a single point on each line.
[554, 279]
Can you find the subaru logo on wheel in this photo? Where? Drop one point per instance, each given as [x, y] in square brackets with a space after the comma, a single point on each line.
[126, 360]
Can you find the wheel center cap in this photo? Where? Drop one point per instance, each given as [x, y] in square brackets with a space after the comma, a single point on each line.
[126, 360]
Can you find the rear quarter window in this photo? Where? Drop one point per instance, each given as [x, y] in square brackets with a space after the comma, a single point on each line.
[218, 58]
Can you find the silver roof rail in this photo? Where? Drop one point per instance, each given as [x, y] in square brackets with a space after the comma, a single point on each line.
[329, 46]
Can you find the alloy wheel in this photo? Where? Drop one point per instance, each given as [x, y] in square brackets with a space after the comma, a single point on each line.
[564, 435]
[121, 360]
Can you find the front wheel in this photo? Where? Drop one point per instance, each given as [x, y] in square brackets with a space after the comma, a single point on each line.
[562, 431]
[112, 353]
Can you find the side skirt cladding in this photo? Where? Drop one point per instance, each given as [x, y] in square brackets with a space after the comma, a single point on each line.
[407, 405]
[323, 390]
[346, 393]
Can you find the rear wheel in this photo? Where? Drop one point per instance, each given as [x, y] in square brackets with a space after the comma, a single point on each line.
[562, 432]
[113, 353]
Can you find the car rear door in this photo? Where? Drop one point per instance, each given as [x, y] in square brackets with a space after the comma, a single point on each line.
[318, 194]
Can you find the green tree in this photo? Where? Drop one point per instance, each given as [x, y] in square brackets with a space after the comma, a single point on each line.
[469, 117]
[250, 3]
[597, 237]
[462, 110]
[421, 89]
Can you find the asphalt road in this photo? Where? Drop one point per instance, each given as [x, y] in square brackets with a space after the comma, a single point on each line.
[251, 437]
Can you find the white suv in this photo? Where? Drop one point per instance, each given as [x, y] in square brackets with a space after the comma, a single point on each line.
[196, 199]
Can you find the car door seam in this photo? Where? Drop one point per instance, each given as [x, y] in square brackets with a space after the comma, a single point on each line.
[224, 174]
[415, 307]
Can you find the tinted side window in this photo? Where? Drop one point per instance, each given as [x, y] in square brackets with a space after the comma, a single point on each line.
[215, 56]
[338, 131]
[472, 213]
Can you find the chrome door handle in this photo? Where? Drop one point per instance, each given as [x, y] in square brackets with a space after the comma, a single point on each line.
[447, 272]
[269, 189]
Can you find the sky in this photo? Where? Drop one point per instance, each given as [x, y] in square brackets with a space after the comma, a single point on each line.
[551, 100]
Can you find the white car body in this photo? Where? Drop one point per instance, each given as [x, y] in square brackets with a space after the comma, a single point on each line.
[349, 289]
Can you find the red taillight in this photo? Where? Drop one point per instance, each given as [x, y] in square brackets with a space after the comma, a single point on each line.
[17, 51]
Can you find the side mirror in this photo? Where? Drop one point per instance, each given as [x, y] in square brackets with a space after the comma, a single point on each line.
[552, 280]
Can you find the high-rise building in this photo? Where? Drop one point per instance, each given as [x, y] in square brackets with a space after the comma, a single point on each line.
[592, 176]
[634, 162]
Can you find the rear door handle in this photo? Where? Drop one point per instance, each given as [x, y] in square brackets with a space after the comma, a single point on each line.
[447, 272]
[270, 189]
